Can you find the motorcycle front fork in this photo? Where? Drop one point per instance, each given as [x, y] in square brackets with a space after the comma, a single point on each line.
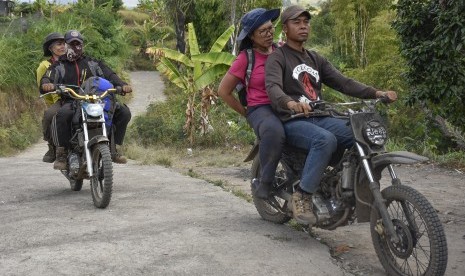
[379, 201]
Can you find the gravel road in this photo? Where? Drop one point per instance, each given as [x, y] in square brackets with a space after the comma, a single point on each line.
[159, 222]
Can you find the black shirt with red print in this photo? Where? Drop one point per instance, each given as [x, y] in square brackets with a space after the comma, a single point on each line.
[293, 75]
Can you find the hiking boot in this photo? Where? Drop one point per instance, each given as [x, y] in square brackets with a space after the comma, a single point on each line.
[117, 157]
[260, 190]
[302, 208]
[49, 156]
[61, 159]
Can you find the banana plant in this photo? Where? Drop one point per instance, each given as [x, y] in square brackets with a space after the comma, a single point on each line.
[195, 72]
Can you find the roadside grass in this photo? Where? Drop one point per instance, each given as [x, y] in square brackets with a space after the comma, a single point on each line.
[193, 162]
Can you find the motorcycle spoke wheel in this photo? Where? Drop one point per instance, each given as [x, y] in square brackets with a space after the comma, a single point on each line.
[422, 247]
[270, 210]
[102, 179]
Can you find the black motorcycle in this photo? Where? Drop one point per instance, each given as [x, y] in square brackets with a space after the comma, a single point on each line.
[407, 234]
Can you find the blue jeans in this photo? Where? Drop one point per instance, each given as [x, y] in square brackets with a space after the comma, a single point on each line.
[322, 137]
[269, 129]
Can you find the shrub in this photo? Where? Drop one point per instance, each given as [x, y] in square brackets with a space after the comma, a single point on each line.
[163, 124]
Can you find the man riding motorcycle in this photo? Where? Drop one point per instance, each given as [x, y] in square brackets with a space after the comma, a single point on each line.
[294, 78]
[74, 68]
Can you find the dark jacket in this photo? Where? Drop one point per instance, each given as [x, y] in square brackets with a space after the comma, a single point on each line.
[298, 76]
[75, 73]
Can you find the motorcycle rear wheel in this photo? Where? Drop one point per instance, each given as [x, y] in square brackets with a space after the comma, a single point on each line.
[101, 181]
[264, 208]
[422, 249]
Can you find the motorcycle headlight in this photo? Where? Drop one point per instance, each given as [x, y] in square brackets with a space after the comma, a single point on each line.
[94, 110]
[375, 133]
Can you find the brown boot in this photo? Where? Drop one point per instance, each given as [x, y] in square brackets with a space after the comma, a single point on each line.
[117, 157]
[61, 159]
[49, 156]
[302, 208]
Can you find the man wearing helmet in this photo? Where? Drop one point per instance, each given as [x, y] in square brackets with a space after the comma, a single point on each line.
[74, 68]
[54, 46]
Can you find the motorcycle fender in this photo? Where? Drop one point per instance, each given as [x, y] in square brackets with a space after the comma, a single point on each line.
[96, 140]
[253, 152]
[380, 162]
[397, 157]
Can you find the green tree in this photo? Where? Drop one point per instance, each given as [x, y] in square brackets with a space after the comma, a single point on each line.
[196, 72]
[212, 17]
[177, 11]
[432, 35]
[352, 23]
[148, 33]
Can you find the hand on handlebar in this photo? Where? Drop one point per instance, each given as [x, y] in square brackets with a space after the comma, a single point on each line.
[48, 87]
[386, 96]
[127, 89]
[299, 107]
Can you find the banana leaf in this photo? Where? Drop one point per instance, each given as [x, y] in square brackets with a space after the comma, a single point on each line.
[194, 49]
[215, 58]
[222, 40]
[171, 54]
[168, 69]
[211, 75]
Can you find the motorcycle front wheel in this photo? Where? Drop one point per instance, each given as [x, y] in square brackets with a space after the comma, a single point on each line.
[101, 181]
[422, 249]
[264, 208]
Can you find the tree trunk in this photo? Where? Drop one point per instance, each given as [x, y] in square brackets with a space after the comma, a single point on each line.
[179, 23]
[232, 21]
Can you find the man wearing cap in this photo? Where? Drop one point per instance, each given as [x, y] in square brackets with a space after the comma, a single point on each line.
[54, 46]
[294, 78]
[74, 68]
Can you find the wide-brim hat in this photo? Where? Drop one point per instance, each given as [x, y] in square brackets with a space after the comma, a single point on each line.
[49, 40]
[254, 19]
[292, 12]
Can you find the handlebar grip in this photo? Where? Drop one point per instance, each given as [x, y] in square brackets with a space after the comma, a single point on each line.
[119, 90]
[385, 99]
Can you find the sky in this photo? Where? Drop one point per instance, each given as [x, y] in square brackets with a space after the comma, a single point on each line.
[130, 3]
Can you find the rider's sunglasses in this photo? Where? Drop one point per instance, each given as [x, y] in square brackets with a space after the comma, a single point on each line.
[265, 32]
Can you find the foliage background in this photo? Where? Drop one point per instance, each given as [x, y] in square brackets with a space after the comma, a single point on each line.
[21, 52]
[422, 58]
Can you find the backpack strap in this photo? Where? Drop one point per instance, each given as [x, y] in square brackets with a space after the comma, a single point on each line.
[250, 63]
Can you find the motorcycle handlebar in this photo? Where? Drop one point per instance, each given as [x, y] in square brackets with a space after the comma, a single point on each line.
[325, 108]
[62, 89]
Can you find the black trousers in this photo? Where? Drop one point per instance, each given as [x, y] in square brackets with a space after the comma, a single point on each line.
[49, 113]
[61, 124]
[121, 120]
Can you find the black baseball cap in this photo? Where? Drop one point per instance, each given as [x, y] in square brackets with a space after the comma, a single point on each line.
[73, 35]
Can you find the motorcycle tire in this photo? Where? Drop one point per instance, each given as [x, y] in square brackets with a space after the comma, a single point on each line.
[101, 181]
[422, 249]
[264, 208]
[76, 184]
